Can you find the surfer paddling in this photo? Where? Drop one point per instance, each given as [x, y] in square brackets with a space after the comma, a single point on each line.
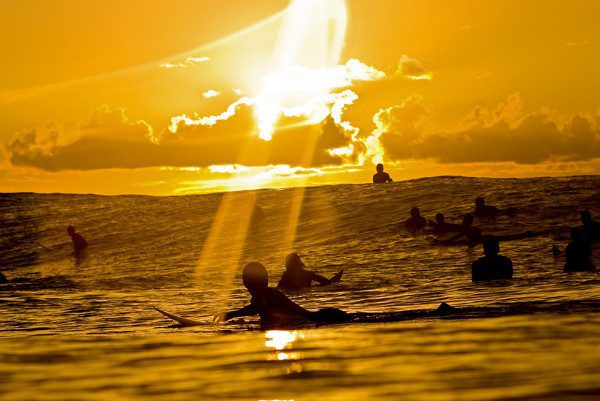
[273, 307]
[296, 276]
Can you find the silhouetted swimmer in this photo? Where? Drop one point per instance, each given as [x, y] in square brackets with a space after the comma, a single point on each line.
[297, 277]
[590, 227]
[257, 216]
[415, 221]
[381, 177]
[482, 210]
[3, 279]
[492, 266]
[440, 226]
[578, 253]
[79, 243]
[466, 229]
[273, 307]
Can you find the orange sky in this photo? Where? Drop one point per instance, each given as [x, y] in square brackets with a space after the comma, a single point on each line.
[88, 91]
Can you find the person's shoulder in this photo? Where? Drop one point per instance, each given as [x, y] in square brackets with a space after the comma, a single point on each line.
[481, 262]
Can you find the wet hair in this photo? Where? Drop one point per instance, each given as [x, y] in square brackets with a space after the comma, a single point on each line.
[70, 229]
[293, 260]
[379, 167]
[415, 211]
[479, 201]
[468, 219]
[491, 245]
[439, 217]
[255, 276]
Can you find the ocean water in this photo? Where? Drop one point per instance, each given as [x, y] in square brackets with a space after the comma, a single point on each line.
[83, 328]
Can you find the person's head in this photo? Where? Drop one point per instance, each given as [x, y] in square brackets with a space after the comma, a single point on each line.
[467, 219]
[576, 234]
[479, 201]
[439, 218]
[292, 261]
[491, 246]
[71, 230]
[415, 212]
[379, 168]
[255, 277]
[586, 217]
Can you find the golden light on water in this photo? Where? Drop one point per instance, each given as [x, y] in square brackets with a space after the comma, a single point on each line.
[280, 340]
[304, 73]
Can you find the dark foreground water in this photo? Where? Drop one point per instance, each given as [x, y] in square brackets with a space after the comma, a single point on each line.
[84, 328]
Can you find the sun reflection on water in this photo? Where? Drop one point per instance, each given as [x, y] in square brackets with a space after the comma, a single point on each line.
[280, 340]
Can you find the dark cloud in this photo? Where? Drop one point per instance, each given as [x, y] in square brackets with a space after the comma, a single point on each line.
[109, 139]
[501, 135]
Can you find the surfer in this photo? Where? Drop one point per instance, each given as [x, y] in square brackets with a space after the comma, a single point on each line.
[381, 177]
[79, 243]
[492, 266]
[483, 211]
[273, 307]
[415, 221]
[466, 229]
[296, 276]
[590, 227]
[440, 226]
[578, 253]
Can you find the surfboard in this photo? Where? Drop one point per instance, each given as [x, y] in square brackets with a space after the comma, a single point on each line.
[337, 277]
[182, 322]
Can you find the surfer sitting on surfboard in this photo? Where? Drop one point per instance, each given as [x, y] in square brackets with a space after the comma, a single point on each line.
[297, 277]
[273, 307]
[79, 243]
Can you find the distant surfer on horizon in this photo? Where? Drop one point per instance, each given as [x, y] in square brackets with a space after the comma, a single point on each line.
[415, 221]
[296, 276]
[380, 176]
[492, 266]
[274, 308]
[79, 243]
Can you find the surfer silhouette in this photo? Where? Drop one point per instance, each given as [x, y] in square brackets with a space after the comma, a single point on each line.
[483, 211]
[273, 307]
[415, 221]
[492, 266]
[79, 243]
[381, 177]
[466, 229]
[296, 276]
[440, 226]
[578, 253]
[590, 227]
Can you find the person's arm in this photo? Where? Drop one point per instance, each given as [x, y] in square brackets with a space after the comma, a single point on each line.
[248, 310]
[389, 179]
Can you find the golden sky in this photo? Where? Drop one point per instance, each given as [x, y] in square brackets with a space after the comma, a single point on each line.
[187, 96]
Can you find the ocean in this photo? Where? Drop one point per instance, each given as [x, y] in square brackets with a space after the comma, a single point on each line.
[84, 328]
